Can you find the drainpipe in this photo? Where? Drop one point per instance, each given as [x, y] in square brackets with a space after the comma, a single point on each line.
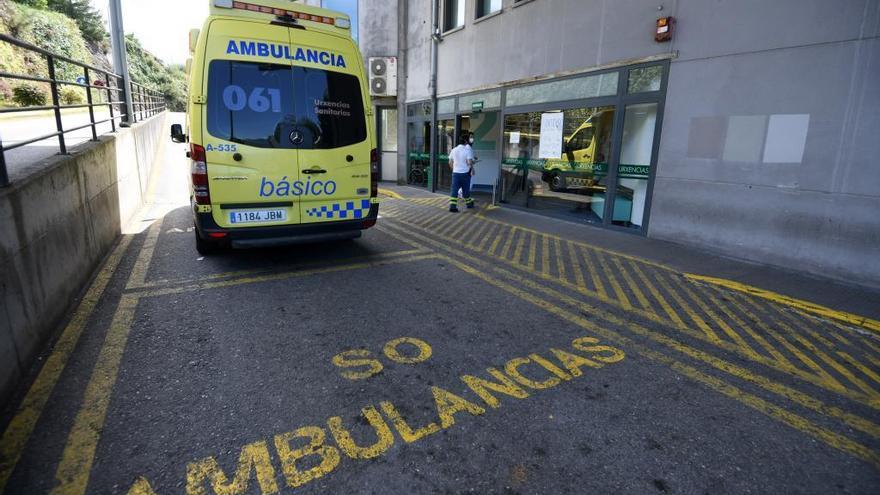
[435, 42]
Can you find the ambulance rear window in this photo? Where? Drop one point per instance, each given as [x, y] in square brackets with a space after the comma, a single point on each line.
[279, 106]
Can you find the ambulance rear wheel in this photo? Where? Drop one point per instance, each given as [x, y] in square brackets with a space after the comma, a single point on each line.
[557, 182]
[206, 247]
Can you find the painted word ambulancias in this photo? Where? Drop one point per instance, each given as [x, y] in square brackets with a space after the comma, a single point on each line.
[310, 452]
[260, 49]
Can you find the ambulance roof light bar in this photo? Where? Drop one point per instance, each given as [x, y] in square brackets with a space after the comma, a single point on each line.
[340, 22]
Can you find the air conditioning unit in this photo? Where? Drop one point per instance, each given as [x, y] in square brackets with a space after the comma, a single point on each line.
[383, 76]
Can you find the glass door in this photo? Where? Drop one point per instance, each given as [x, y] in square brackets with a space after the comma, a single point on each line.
[445, 143]
[637, 144]
[418, 137]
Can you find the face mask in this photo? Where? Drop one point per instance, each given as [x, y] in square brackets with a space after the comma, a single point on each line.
[471, 140]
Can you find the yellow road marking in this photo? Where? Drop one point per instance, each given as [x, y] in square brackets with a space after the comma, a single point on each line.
[374, 261]
[31, 408]
[533, 247]
[463, 226]
[79, 452]
[257, 271]
[592, 261]
[806, 306]
[632, 285]
[479, 234]
[618, 290]
[74, 468]
[576, 267]
[560, 265]
[714, 295]
[734, 336]
[657, 296]
[138, 275]
[843, 340]
[774, 387]
[487, 236]
[141, 487]
[507, 243]
[545, 255]
[729, 346]
[836, 366]
[833, 382]
[798, 422]
[390, 193]
[520, 244]
[497, 240]
[858, 365]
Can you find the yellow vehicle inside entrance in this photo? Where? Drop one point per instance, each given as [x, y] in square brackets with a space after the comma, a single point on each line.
[278, 123]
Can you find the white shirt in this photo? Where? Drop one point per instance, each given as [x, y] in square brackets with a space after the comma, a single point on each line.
[459, 157]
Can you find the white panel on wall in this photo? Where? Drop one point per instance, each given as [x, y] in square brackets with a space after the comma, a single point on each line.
[745, 138]
[786, 138]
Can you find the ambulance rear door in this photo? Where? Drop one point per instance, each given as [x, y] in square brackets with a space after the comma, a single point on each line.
[331, 102]
[251, 134]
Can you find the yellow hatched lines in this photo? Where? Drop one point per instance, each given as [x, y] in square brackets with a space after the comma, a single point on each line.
[576, 266]
[560, 264]
[809, 362]
[594, 274]
[640, 297]
[656, 294]
[824, 356]
[734, 336]
[545, 255]
[799, 422]
[714, 311]
[520, 244]
[533, 245]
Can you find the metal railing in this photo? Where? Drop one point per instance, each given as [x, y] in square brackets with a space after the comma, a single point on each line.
[107, 86]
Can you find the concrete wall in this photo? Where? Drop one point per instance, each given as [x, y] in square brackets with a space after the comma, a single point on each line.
[56, 226]
[544, 37]
[768, 149]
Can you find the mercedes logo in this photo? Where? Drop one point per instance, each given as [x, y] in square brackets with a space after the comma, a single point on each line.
[296, 137]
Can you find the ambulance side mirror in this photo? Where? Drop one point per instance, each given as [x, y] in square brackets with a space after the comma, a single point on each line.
[177, 134]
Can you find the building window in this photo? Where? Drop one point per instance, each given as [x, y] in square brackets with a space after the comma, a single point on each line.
[389, 129]
[453, 14]
[486, 7]
[566, 89]
[645, 79]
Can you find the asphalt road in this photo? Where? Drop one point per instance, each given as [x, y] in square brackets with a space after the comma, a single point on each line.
[23, 127]
[437, 354]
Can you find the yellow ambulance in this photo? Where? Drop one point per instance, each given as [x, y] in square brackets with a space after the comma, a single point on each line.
[278, 125]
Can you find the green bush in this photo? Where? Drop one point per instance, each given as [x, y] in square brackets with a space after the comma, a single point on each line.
[37, 4]
[29, 95]
[5, 93]
[72, 96]
[57, 33]
[87, 18]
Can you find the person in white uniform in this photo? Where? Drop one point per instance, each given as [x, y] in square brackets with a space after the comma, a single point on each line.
[461, 160]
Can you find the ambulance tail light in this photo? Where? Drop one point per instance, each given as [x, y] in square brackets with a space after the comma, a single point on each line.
[199, 173]
[374, 173]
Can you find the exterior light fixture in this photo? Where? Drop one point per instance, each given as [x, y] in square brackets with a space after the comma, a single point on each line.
[664, 29]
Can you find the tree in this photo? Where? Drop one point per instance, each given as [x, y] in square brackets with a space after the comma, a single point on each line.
[88, 19]
[37, 4]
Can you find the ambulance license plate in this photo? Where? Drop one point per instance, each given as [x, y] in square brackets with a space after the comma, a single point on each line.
[257, 216]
